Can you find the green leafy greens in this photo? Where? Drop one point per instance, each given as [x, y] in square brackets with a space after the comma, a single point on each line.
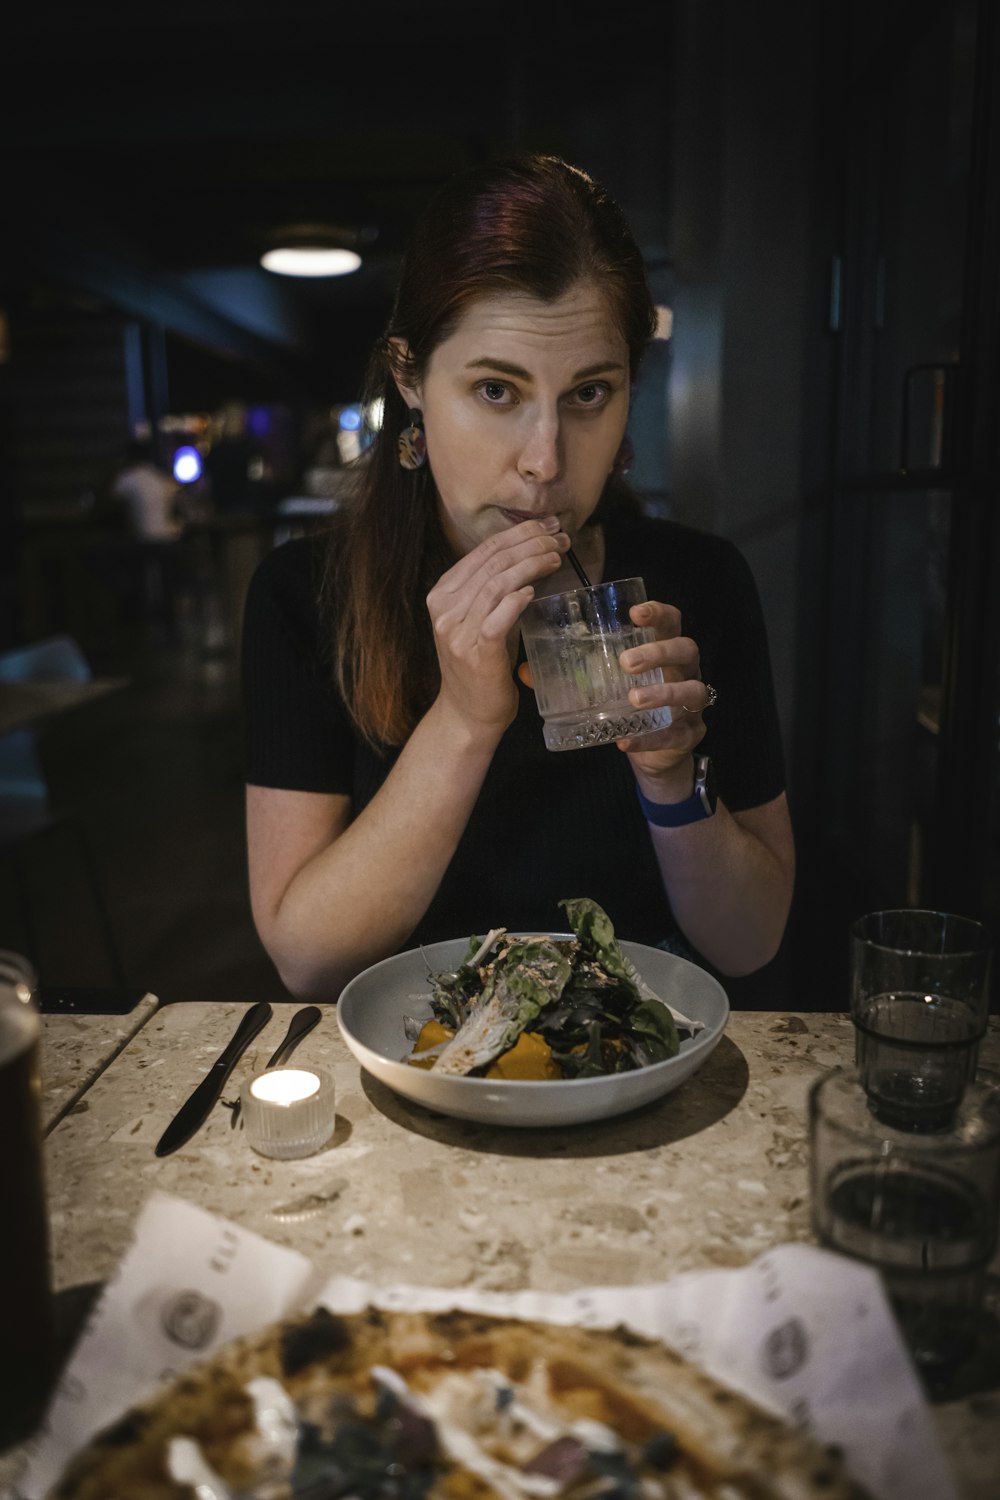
[581, 995]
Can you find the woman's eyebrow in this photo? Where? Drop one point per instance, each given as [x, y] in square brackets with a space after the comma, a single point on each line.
[503, 365]
[606, 367]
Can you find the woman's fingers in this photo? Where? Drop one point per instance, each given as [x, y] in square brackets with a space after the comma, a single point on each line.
[659, 752]
[475, 608]
[496, 589]
[680, 664]
[665, 619]
[675, 655]
[520, 547]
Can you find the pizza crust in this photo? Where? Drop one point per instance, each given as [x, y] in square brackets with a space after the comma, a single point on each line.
[726, 1447]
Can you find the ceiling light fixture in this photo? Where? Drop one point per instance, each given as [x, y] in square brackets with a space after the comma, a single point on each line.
[296, 260]
[311, 250]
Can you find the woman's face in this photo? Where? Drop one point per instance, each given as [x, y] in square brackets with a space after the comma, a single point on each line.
[524, 408]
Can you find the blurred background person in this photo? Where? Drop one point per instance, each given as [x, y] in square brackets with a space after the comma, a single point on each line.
[155, 517]
[151, 496]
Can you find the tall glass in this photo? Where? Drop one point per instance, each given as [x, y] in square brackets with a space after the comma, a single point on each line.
[27, 1343]
[919, 992]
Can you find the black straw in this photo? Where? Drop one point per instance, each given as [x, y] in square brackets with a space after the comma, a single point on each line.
[571, 555]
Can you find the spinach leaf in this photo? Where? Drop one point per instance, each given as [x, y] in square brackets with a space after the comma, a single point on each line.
[596, 935]
[654, 1031]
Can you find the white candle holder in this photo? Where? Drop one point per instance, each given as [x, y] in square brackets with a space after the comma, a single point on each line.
[289, 1112]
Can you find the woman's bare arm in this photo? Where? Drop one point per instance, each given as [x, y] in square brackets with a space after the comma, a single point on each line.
[729, 880]
[331, 895]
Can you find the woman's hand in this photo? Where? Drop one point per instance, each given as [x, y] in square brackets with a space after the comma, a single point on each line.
[662, 762]
[474, 610]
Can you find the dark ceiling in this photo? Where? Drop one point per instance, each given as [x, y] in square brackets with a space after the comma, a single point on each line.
[149, 152]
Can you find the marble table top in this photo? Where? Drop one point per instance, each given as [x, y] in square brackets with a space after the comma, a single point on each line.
[711, 1175]
[75, 1049]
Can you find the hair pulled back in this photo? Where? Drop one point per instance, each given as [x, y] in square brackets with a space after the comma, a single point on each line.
[531, 224]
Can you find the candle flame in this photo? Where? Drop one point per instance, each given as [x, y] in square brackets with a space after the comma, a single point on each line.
[285, 1086]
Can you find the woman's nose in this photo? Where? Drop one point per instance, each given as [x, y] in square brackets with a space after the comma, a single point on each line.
[540, 458]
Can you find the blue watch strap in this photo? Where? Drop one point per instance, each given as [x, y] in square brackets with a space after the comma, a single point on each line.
[676, 814]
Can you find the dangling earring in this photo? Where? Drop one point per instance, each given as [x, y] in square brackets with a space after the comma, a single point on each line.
[624, 457]
[412, 443]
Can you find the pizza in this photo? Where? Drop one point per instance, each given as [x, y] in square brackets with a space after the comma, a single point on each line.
[450, 1406]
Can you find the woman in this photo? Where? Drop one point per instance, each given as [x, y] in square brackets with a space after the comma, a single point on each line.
[399, 790]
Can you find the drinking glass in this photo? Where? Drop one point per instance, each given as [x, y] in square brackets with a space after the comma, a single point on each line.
[573, 642]
[27, 1344]
[919, 992]
[922, 1208]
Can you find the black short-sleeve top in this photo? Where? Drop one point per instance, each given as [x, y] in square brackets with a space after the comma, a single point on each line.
[546, 825]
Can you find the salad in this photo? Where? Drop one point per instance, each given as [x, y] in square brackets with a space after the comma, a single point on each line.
[545, 1007]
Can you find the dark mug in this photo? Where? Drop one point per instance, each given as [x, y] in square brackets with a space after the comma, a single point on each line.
[27, 1342]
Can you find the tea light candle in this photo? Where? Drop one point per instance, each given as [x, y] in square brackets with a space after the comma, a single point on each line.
[289, 1112]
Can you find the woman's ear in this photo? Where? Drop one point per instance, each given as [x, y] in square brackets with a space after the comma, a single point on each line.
[399, 368]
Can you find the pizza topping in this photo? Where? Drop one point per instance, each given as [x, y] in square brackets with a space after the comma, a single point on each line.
[313, 1340]
[405, 1418]
[277, 1423]
[394, 1382]
[662, 1451]
[566, 1460]
[391, 1453]
[188, 1465]
[513, 1436]
[270, 1450]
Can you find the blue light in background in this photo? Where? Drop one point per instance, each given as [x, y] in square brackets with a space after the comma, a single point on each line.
[259, 421]
[350, 419]
[187, 465]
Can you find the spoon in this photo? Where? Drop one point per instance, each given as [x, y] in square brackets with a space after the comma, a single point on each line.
[299, 1026]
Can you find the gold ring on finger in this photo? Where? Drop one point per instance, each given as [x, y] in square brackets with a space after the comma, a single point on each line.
[710, 701]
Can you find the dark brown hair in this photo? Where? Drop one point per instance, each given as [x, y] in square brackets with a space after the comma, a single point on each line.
[531, 224]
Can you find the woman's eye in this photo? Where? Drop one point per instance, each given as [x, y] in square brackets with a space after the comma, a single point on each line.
[495, 392]
[591, 395]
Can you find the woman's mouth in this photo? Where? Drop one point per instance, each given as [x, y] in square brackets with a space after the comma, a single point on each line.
[515, 517]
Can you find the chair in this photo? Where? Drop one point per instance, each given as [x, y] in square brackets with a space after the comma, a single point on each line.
[26, 818]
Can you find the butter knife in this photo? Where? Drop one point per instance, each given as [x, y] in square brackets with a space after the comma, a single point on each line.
[193, 1113]
[299, 1026]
